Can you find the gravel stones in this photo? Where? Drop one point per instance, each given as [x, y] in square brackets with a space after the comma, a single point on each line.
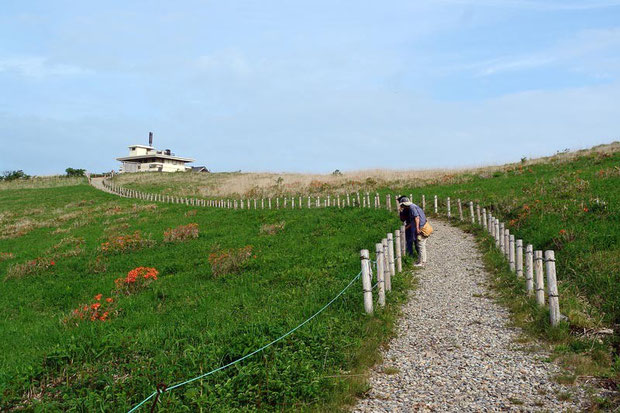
[454, 350]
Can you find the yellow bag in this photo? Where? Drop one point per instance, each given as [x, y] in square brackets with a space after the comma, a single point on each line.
[426, 230]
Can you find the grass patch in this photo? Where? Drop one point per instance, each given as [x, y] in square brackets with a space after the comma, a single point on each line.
[188, 320]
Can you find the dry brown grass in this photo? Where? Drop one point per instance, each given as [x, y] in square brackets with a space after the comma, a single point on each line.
[266, 184]
[42, 182]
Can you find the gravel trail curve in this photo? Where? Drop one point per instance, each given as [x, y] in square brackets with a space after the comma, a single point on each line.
[454, 349]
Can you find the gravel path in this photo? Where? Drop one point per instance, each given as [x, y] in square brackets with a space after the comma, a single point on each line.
[454, 350]
[98, 183]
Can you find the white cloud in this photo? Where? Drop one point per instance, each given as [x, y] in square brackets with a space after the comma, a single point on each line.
[39, 67]
[228, 61]
[585, 51]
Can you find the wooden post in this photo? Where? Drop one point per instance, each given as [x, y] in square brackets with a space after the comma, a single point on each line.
[506, 242]
[435, 204]
[318, 201]
[368, 201]
[300, 202]
[309, 202]
[519, 258]
[511, 253]
[359, 204]
[460, 209]
[538, 273]
[348, 200]
[448, 206]
[366, 281]
[529, 269]
[500, 235]
[277, 202]
[390, 240]
[269, 202]
[478, 214]
[329, 201]
[388, 202]
[423, 201]
[386, 266]
[285, 201]
[398, 251]
[552, 288]
[471, 212]
[403, 241]
[484, 218]
[380, 277]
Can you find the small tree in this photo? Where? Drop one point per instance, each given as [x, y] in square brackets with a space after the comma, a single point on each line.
[75, 172]
[13, 175]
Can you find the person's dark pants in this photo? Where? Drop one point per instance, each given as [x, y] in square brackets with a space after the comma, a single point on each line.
[412, 241]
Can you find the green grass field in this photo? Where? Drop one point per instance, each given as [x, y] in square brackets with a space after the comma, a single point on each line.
[283, 266]
[568, 203]
[189, 320]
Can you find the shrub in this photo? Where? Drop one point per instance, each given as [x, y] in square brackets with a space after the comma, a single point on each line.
[123, 243]
[271, 229]
[32, 267]
[136, 279]
[13, 175]
[99, 310]
[229, 261]
[75, 172]
[181, 233]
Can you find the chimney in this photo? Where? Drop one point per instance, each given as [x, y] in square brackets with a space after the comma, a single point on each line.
[150, 138]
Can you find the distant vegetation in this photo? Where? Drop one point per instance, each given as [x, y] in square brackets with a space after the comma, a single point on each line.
[71, 172]
[13, 175]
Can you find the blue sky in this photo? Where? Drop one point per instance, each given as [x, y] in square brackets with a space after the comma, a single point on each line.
[306, 85]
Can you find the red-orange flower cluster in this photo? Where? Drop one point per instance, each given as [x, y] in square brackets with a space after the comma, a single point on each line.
[136, 279]
[96, 311]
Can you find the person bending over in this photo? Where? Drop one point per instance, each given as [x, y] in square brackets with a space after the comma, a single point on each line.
[414, 218]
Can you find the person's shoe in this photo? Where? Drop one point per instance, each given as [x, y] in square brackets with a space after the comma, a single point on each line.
[418, 264]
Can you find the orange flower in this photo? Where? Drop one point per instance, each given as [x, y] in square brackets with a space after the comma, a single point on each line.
[585, 210]
[52, 263]
[95, 306]
[562, 231]
[98, 297]
[109, 299]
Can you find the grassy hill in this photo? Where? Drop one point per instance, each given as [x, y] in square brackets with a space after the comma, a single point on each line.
[568, 202]
[250, 276]
[246, 279]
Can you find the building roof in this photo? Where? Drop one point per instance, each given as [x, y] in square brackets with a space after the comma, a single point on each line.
[154, 155]
[199, 169]
[141, 146]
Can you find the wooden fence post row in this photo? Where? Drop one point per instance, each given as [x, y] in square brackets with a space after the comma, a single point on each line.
[389, 254]
[351, 200]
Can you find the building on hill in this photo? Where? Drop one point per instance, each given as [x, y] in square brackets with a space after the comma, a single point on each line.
[143, 158]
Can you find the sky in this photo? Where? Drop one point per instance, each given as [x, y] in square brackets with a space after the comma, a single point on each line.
[306, 86]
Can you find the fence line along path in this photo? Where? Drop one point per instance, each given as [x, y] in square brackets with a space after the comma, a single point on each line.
[454, 350]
